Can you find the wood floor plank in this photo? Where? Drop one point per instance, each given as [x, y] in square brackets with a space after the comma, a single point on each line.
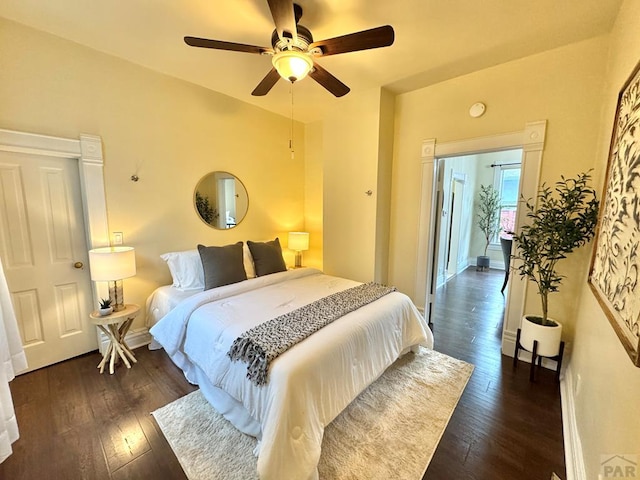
[32, 387]
[35, 445]
[83, 457]
[162, 451]
[123, 439]
[143, 467]
[70, 407]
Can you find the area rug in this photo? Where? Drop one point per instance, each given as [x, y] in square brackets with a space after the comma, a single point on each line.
[391, 430]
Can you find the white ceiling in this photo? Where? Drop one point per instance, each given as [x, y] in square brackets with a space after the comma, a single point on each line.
[435, 39]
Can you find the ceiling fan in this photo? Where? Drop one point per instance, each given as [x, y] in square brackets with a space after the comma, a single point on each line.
[294, 50]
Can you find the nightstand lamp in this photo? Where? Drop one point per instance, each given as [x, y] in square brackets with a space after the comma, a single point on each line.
[112, 264]
[298, 241]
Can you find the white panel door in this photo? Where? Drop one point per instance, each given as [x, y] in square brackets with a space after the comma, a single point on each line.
[44, 252]
[457, 187]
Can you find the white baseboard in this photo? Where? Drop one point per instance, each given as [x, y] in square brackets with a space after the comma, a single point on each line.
[574, 460]
[134, 338]
[509, 344]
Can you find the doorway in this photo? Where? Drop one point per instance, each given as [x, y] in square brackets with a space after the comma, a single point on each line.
[460, 240]
[531, 140]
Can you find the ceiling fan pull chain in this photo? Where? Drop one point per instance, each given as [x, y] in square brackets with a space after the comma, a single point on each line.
[291, 133]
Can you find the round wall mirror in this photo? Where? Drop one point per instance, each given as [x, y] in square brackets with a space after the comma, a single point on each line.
[221, 200]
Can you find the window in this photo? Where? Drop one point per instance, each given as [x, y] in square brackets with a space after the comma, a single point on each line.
[507, 183]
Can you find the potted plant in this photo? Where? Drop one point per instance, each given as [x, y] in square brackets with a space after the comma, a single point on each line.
[488, 218]
[562, 219]
[105, 307]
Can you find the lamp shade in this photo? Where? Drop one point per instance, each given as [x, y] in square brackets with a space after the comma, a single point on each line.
[298, 241]
[112, 263]
[292, 65]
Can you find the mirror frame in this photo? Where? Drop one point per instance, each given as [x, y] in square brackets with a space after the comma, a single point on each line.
[196, 194]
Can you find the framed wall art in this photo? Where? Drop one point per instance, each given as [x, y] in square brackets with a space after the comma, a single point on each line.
[615, 264]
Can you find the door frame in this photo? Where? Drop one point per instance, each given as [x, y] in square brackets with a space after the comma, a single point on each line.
[87, 150]
[531, 141]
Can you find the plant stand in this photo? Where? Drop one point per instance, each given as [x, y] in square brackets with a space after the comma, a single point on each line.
[535, 357]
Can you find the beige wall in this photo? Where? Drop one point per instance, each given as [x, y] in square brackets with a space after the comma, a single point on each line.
[353, 158]
[168, 132]
[563, 86]
[606, 384]
[383, 185]
[313, 194]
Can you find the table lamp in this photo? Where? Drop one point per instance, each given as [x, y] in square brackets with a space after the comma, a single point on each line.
[112, 264]
[298, 241]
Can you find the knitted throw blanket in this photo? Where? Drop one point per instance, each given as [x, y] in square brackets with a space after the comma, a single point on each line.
[260, 345]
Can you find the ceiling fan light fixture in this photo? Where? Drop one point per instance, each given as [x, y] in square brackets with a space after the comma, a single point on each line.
[292, 65]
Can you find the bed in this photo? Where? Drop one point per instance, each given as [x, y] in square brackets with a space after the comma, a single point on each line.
[309, 384]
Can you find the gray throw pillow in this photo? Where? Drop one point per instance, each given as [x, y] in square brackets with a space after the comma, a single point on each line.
[222, 265]
[267, 257]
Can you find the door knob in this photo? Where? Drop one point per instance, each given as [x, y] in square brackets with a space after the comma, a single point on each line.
[78, 265]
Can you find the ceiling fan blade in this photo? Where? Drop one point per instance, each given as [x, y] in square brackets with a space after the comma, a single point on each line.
[220, 45]
[353, 42]
[284, 18]
[266, 84]
[328, 81]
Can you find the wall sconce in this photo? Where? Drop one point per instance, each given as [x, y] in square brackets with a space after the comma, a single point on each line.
[112, 264]
[298, 241]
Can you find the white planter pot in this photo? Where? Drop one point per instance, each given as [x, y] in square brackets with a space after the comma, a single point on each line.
[548, 337]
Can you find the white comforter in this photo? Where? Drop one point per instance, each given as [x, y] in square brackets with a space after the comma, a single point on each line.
[311, 383]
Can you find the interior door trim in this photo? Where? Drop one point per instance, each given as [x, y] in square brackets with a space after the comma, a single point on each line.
[531, 140]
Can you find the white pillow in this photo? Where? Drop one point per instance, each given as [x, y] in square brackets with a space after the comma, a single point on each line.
[186, 269]
[187, 272]
[248, 261]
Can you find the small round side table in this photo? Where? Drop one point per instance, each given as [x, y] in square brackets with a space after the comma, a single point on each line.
[115, 326]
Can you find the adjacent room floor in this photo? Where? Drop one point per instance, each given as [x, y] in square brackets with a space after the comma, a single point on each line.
[77, 424]
[504, 427]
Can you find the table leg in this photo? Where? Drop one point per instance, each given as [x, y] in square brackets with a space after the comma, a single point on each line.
[117, 346]
[105, 358]
[122, 332]
[112, 362]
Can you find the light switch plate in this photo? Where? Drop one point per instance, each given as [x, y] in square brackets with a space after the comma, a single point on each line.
[117, 238]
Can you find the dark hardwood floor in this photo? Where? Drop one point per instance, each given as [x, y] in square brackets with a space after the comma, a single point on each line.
[77, 424]
[504, 426]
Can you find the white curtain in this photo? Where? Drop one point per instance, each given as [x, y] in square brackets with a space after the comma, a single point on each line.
[12, 361]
